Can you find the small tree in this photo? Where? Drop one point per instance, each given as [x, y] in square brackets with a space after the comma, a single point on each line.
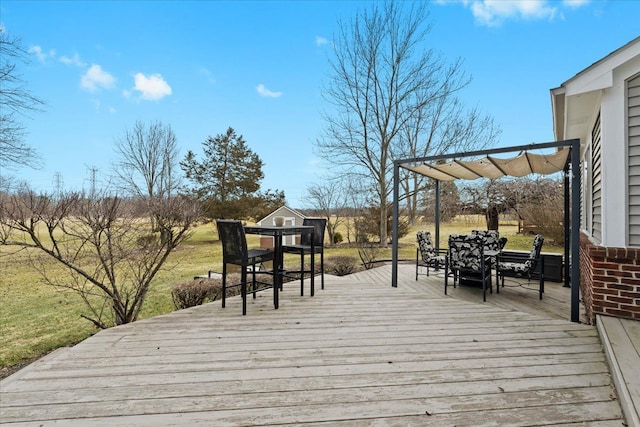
[329, 198]
[111, 253]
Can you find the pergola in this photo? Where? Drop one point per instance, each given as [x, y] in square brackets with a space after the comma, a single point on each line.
[449, 167]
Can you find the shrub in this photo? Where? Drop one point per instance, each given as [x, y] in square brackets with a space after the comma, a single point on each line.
[340, 265]
[337, 238]
[195, 292]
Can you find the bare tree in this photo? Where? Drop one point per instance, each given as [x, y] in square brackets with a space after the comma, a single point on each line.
[390, 97]
[15, 101]
[148, 161]
[110, 253]
[330, 199]
[147, 168]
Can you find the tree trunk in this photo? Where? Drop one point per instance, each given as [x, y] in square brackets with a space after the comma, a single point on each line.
[492, 218]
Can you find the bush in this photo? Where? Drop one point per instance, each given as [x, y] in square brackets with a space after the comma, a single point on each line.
[337, 238]
[198, 291]
[340, 265]
[195, 292]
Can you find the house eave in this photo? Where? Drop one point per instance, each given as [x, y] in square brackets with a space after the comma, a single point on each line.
[576, 101]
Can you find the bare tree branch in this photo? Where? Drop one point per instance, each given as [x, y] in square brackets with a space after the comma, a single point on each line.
[15, 100]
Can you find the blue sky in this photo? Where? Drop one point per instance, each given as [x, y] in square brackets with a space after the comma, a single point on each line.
[258, 67]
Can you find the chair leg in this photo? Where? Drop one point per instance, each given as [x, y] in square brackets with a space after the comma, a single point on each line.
[322, 269]
[484, 286]
[253, 281]
[224, 284]
[243, 289]
[541, 276]
[446, 277]
[302, 273]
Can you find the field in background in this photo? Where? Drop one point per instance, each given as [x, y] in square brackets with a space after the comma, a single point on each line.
[36, 318]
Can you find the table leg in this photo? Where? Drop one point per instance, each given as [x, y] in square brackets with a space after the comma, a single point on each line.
[313, 261]
[277, 268]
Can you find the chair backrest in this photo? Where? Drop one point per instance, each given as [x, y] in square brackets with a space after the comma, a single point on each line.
[425, 245]
[534, 254]
[234, 240]
[320, 224]
[466, 252]
[491, 239]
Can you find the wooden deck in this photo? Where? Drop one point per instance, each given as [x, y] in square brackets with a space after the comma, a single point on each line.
[358, 353]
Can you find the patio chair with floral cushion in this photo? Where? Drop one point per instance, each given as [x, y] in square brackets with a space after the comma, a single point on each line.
[467, 263]
[517, 266]
[493, 243]
[426, 255]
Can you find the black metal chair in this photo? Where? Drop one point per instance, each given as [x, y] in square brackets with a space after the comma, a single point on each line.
[426, 255]
[517, 265]
[304, 248]
[468, 264]
[235, 251]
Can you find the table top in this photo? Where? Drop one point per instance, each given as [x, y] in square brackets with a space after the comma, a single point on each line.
[273, 230]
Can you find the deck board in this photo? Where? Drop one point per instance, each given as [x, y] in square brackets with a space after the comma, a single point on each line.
[358, 353]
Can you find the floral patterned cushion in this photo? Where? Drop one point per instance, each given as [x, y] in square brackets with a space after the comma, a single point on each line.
[427, 250]
[491, 239]
[466, 252]
[526, 267]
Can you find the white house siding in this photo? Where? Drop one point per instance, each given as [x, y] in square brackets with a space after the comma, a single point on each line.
[614, 158]
[596, 182]
[633, 123]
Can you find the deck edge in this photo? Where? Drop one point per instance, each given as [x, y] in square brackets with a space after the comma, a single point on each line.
[624, 397]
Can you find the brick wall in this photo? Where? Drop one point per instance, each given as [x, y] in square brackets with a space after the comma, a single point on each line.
[609, 280]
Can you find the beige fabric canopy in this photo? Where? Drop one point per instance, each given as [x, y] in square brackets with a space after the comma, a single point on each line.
[523, 164]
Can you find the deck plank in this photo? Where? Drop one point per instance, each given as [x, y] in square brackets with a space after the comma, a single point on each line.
[359, 352]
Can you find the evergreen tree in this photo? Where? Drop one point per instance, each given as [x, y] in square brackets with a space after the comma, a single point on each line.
[227, 180]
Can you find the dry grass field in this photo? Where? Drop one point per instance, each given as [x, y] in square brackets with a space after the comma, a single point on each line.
[36, 318]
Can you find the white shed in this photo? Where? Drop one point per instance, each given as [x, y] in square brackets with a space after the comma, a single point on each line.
[291, 217]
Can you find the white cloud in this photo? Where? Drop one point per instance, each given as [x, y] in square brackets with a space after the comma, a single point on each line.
[576, 3]
[321, 41]
[74, 60]
[95, 78]
[207, 74]
[41, 54]
[494, 12]
[263, 91]
[152, 88]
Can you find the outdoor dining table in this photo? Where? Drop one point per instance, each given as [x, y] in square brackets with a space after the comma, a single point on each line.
[277, 232]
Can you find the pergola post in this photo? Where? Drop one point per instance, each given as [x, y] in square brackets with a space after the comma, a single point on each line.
[437, 215]
[394, 231]
[567, 232]
[575, 230]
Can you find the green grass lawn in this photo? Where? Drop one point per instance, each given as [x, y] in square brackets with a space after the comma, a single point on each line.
[36, 318]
